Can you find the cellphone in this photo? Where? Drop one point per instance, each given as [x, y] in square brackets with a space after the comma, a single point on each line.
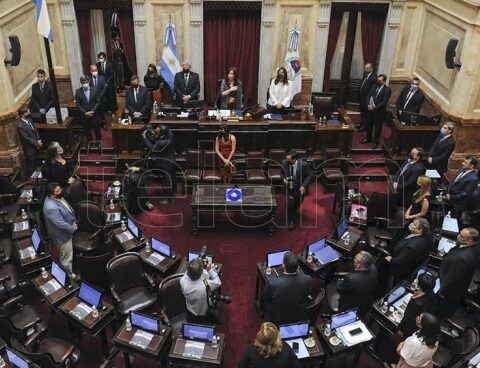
[356, 331]
[295, 347]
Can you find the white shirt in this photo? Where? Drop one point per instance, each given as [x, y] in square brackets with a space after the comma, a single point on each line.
[280, 93]
[195, 292]
[416, 353]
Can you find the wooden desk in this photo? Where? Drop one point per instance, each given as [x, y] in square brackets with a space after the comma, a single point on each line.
[117, 208]
[20, 234]
[129, 245]
[316, 268]
[315, 353]
[29, 202]
[211, 357]
[31, 264]
[166, 267]
[61, 133]
[57, 297]
[342, 246]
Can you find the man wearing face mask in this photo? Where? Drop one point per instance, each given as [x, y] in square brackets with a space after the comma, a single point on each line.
[456, 271]
[105, 68]
[369, 79]
[42, 94]
[442, 148]
[29, 138]
[60, 221]
[462, 186]
[88, 101]
[138, 100]
[186, 85]
[406, 178]
[98, 82]
[411, 98]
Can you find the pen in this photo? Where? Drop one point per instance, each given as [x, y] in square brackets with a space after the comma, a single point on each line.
[275, 270]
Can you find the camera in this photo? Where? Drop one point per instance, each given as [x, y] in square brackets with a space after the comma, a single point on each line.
[216, 298]
[203, 255]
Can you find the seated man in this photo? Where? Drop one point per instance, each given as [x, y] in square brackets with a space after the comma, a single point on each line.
[285, 297]
[357, 287]
[195, 291]
[462, 186]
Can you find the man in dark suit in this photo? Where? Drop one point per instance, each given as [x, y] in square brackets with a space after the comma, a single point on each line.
[369, 79]
[456, 271]
[29, 138]
[138, 100]
[186, 85]
[98, 82]
[285, 298]
[442, 149]
[406, 178]
[377, 100]
[296, 177]
[88, 102]
[42, 94]
[462, 186]
[411, 98]
[105, 69]
[357, 287]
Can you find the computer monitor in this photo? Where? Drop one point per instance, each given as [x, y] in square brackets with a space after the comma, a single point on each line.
[293, 331]
[342, 227]
[58, 273]
[195, 255]
[144, 322]
[275, 259]
[133, 228]
[161, 247]
[89, 294]
[198, 332]
[324, 253]
[36, 240]
[15, 360]
[344, 318]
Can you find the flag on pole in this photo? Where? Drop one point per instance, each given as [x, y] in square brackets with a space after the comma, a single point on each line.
[170, 64]
[292, 62]
[43, 20]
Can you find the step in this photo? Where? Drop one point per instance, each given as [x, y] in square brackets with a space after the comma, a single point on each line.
[95, 149]
[367, 159]
[366, 173]
[97, 159]
[100, 173]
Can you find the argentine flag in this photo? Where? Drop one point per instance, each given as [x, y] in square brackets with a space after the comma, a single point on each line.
[292, 62]
[169, 65]
[43, 20]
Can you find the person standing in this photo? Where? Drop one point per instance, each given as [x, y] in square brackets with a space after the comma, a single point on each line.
[280, 93]
[411, 98]
[369, 79]
[186, 85]
[154, 83]
[406, 179]
[88, 103]
[60, 221]
[117, 58]
[57, 169]
[98, 82]
[231, 93]
[442, 149]
[462, 186]
[105, 68]
[225, 147]
[138, 100]
[42, 94]
[29, 139]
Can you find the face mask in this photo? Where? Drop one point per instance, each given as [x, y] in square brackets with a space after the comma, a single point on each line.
[134, 85]
[60, 195]
[443, 131]
[411, 227]
[85, 85]
[186, 70]
[102, 60]
[414, 86]
[94, 74]
[150, 71]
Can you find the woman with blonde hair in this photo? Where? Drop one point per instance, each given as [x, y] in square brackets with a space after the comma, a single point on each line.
[421, 199]
[268, 350]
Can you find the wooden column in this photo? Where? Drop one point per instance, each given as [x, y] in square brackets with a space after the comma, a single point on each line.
[11, 155]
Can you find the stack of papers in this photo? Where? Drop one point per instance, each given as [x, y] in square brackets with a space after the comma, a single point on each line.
[450, 224]
[302, 349]
[349, 338]
[277, 117]
[433, 174]
[20, 226]
[401, 304]
[183, 115]
[125, 236]
[445, 245]
[27, 193]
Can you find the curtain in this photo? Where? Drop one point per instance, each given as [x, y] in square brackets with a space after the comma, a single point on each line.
[127, 36]
[372, 34]
[84, 32]
[231, 38]
[98, 32]
[356, 70]
[337, 60]
[334, 30]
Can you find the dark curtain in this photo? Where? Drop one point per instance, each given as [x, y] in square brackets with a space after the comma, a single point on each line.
[333, 32]
[231, 38]
[84, 32]
[127, 36]
[372, 34]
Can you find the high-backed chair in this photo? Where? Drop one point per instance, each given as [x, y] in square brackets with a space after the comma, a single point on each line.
[91, 221]
[9, 281]
[314, 306]
[93, 268]
[323, 105]
[334, 168]
[172, 302]
[6, 246]
[255, 172]
[131, 287]
[385, 230]
[450, 351]
[211, 173]
[275, 158]
[194, 168]
[76, 193]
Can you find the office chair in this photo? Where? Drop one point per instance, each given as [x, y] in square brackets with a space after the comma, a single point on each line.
[332, 295]
[451, 350]
[334, 168]
[385, 229]
[131, 287]
[194, 168]
[255, 173]
[93, 268]
[91, 222]
[9, 281]
[5, 250]
[172, 302]
[211, 174]
[314, 306]
[275, 158]
[76, 193]
[323, 105]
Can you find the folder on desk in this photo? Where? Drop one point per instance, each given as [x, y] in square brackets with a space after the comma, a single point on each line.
[354, 333]
[302, 349]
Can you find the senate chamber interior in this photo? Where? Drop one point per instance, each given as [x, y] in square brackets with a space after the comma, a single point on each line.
[251, 184]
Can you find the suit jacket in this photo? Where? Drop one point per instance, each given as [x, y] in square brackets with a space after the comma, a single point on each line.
[285, 298]
[365, 88]
[108, 73]
[456, 271]
[41, 100]
[84, 105]
[441, 152]
[143, 101]
[302, 175]
[163, 152]
[180, 89]
[407, 181]
[238, 94]
[356, 289]
[461, 190]
[415, 307]
[380, 99]
[59, 220]
[415, 102]
[28, 137]
[101, 85]
[409, 253]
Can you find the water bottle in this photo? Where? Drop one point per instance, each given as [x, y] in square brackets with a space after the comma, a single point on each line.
[327, 330]
[123, 226]
[94, 311]
[214, 342]
[148, 247]
[449, 214]
[24, 214]
[155, 108]
[112, 205]
[384, 308]
[128, 324]
[346, 241]
[2, 363]
[44, 273]
[310, 109]
[310, 258]
[129, 120]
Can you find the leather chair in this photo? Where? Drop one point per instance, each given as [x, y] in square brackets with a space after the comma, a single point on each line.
[172, 302]
[333, 296]
[450, 351]
[323, 105]
[91, 222]
[48, 352]
[131, 287]
[385, 229]
[9, 192]
[194, 165]
[314, 306]
[255, 173]
[468, 315]
[76, 193]
[9, 281]
[334, 169]
[5, 250]
[382, 205]
[211, 174]
[275, 158]
[93, 268]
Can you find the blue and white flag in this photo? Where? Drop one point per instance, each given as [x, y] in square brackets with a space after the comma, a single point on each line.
[43, 20]
[292, 62]
[170, 64]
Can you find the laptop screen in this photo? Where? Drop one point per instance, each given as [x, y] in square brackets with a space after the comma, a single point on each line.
[395, 295]
[195, 255]
[161, 247]
[342, 226]
[343, 319]
[316, 246]
[58, 273]
[275, 259]
[133, 228]
[445, 245]
[198, 332]
[36, 240]
[294, 331]
[89, 294]
[16, 360]
[324, 253]
[145, 322]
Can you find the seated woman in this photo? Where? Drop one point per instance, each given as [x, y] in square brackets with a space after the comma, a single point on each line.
[421, 199]
[231, 93]
[225, 146]
[268, 351]
[280, 92]
[57, 169]
[154, 82]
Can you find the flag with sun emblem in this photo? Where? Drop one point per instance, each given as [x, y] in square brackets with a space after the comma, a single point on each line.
[170, 64]
[292, 62]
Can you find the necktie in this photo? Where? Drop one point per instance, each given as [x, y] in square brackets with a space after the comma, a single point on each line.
[364, 80]
[186, 78]
[405, 167]
[41, 88]
[135, 94]
[409, 96]
[291, 170]
[94, 81]
[378, 91]
[103, 67]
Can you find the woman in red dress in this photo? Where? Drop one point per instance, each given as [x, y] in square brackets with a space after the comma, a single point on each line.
[225, 145]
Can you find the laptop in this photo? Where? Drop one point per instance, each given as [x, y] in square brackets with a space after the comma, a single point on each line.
[322, 251]
[195, 255]
[133, 228]
[445, 245]
[16, 360]
[396, 295]
[146, 326]
[342, 231]
[89, 297]
[275, 259]
[59, 280]
[293, 330]
[196, 332]
[32, 251]
[161, 252]
[345, 318]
